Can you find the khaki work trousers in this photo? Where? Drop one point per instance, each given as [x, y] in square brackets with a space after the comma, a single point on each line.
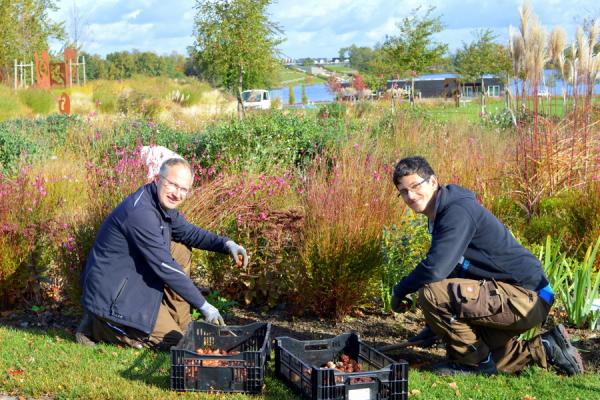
[171, 322]
[475, 318]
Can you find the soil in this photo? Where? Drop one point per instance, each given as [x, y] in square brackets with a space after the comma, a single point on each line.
[374, 328]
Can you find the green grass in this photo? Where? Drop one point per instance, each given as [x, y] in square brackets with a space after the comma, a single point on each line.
[342, 69]
[37, 363]
[39, 100]
[286, 75]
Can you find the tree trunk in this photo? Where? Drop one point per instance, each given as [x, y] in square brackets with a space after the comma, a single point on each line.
[241, 110]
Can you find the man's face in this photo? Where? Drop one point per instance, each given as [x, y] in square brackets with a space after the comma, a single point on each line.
[174, 186]
[418, 193]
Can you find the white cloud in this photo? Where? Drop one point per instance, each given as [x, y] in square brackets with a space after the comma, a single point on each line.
[132, 15]
[312, 27]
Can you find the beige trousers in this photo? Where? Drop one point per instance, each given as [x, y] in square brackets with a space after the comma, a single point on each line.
[476, 318]
[171, 322]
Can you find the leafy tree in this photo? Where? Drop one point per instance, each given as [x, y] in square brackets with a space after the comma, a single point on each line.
[480, 57]
[413, 52]
[25, 28]
[304, 96]
[121, 65]
[236, 43]
[291, 97]
[360, 57]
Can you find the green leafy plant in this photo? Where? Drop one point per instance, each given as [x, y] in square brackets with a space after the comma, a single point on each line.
[403, 247]
[555, 263]
[582, 289]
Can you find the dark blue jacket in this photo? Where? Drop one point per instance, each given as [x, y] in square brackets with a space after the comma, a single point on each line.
[464, 228]
[130, 262]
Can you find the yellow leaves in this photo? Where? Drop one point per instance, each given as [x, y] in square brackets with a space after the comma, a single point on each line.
[454, 386]
[528, 397]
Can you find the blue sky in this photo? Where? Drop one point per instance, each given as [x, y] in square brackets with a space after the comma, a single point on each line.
[316, 28]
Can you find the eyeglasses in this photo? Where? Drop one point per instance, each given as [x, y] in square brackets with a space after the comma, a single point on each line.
[173, 186]
[413, 189]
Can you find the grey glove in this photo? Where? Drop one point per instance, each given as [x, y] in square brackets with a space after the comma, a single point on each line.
[211, 314]
[235, 251]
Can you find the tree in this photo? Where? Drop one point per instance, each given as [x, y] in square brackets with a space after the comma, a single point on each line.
[480, 57]
[291, 97]
[304, 96]
[25, 28]
[236, 43]
[413, 52]
[360, 57]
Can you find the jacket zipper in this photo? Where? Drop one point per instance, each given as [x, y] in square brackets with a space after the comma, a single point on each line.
[114, 302]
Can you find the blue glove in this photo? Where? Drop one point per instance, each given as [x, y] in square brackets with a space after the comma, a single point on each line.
[211, 314]
[236, 251]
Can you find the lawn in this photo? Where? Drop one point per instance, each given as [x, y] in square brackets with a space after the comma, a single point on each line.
[287, 75]
[49, 363]
[342, 69]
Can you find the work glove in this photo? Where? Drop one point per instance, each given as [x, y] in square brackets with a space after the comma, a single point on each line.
[400, 303]
[211, 314]
[237, 252]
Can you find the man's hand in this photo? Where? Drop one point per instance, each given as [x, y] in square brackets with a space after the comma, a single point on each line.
[211, 314]
[237, 252]
[401, 304]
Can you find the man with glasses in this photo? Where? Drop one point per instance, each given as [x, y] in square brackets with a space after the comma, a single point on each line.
[478, 287]
[136, 289]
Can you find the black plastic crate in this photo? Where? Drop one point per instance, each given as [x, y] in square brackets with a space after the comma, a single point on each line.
[243, 372]
[299, 363]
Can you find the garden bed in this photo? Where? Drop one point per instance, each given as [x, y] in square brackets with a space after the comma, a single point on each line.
[375, 328]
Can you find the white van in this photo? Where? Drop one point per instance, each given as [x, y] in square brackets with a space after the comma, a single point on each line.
[256, 99]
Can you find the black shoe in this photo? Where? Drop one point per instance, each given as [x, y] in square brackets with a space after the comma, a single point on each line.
[424, 338]
[486, 367]
[83, 335]
[560, 353]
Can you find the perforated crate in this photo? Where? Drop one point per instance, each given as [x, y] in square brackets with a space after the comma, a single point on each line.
[243, 372]
[299, 363]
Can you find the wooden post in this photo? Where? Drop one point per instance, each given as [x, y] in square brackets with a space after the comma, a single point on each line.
[15, 74]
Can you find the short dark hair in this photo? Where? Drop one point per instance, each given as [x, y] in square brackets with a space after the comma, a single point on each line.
[412, 165]
[171, 162]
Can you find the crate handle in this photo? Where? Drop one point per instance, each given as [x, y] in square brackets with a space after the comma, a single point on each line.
[316, 346]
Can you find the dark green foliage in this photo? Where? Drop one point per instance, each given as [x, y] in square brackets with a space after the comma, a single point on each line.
[32, 138]
[403, 246]
[253, 144]
[134, 133]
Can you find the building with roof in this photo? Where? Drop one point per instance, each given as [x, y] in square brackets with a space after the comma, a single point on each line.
[446, 85]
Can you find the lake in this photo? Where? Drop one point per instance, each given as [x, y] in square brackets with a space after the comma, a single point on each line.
[317, 93]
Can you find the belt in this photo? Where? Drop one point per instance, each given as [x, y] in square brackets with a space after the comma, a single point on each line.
[547, 294]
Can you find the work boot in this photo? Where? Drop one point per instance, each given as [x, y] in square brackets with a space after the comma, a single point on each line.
[560, 353]
[486, 367]
[83, 335]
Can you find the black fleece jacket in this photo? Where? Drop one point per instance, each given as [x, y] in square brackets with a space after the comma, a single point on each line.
[464, 228]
